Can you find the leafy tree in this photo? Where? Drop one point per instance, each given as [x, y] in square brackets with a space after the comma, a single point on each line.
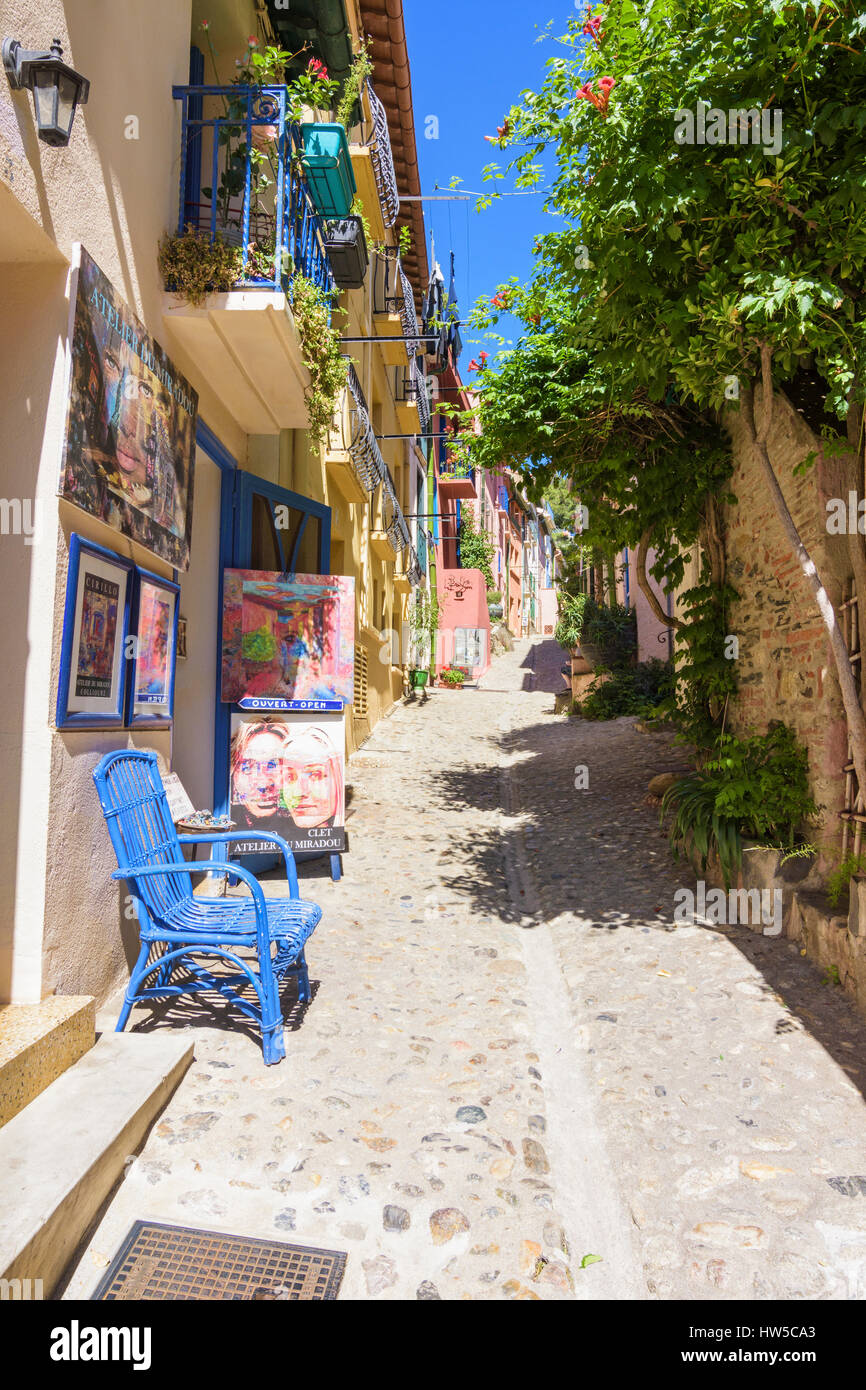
[691, 277]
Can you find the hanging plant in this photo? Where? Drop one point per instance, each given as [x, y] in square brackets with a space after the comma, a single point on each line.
[361, 70]
[193, 266]
[322, 355]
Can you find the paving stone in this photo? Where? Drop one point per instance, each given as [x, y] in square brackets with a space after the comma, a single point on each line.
[721, 1131]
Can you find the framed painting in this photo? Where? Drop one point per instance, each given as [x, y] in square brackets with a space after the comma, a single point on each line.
[288, 637]
[153, 651]
[129, 445]
[93, 655]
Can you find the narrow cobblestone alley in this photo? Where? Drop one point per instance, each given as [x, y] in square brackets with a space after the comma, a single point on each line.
[513, 1059]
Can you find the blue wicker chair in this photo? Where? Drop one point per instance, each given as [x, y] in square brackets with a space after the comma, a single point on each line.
[177, 928]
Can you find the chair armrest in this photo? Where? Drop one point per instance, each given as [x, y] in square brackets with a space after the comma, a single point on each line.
[151, 870]
[227, 837]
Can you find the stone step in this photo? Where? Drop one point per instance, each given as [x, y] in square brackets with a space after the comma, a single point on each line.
[37, 1043]
[62, 1154]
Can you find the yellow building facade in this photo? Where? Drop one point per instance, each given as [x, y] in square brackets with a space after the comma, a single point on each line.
[119, 186]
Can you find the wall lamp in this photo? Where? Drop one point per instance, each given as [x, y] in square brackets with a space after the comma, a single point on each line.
[57, 88]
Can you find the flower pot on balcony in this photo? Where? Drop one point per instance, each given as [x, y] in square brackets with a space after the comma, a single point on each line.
[265, 137]
[347, 252]
[328, 169]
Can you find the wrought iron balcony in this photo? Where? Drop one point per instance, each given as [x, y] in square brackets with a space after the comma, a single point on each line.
[383, 159]
[370, 466]
[412, 574]
[423, 401]
[392, 295]
[241, 183]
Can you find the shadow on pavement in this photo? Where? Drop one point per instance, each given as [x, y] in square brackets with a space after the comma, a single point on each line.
[602, 855]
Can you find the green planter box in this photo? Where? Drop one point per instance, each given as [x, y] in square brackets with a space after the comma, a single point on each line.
[328, 169]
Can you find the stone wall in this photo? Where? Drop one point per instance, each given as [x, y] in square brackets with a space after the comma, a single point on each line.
[785, 666]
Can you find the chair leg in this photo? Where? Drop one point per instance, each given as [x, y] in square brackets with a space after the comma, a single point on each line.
[132, 988]
[304, 994]
[273, 1043]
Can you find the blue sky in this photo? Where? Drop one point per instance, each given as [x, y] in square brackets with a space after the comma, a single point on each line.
[470, 60]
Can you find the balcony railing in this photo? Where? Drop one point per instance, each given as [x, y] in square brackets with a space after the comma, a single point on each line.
[392, 294]
[415, 389]
[383, 159]
[230, 137]
[413, 572]
[370, 465]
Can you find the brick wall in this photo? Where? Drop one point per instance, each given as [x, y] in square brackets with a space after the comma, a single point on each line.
[785, 667]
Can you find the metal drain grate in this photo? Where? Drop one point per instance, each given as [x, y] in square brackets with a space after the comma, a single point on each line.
[176, 1263]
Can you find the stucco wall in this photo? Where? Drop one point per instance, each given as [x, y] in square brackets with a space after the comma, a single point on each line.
[649, 629]
[463, 596]
[33, 315]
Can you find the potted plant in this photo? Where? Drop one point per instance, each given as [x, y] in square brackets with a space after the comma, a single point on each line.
[495, 606]
[453, 677]
[570, 624]
[418, 678]
[347, 251]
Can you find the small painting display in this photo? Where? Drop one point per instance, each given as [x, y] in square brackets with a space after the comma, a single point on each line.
[289, 637]
[154, 625]
[130, 430]
[96, 621]
[288, 778]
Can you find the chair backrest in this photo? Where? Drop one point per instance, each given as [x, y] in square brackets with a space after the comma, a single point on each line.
[136, 811]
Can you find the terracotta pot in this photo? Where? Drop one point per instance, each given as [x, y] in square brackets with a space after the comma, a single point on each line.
[264, 137]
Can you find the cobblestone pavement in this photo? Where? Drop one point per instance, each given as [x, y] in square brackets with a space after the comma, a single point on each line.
[513, 1058]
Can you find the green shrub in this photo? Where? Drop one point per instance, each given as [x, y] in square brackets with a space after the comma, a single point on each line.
[839, 879]
[756, 788]
[613, 629]
[637, 689]
[476, 550]
[568, 628]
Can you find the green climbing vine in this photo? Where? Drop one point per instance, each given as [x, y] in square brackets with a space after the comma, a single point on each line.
[322, 355]
[476, 551]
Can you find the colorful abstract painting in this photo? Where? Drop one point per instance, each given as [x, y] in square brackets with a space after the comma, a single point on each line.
[288, 637]
[154, 644]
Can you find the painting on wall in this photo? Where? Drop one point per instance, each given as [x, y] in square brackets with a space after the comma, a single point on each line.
[153, 650]
[92, 685]
[129, 446]
[288, 779]
[288, 637]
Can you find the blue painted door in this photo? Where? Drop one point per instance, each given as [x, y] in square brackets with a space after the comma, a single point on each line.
[263, 527]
